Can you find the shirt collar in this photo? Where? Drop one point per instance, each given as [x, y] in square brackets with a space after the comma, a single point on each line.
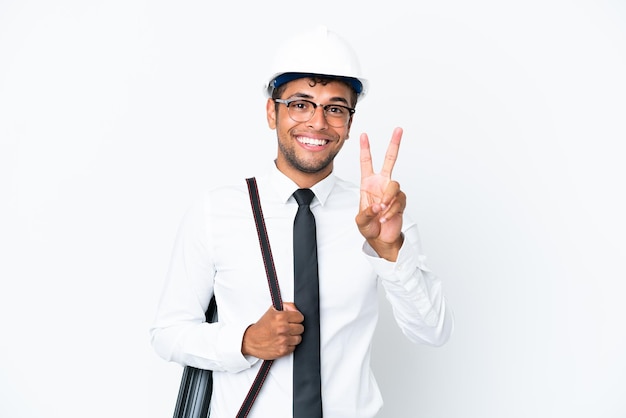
[285, 187]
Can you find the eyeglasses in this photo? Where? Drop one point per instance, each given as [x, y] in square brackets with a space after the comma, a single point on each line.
[301, 110]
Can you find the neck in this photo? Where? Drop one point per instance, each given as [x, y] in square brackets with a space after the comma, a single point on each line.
[303, 179]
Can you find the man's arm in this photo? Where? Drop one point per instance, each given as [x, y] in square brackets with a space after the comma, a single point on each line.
[179, 332]
[415, 293]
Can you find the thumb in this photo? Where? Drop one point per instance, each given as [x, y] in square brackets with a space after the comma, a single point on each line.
[367, 215]
[289, 306]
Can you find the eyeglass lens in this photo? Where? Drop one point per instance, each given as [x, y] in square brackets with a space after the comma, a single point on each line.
[303, 110]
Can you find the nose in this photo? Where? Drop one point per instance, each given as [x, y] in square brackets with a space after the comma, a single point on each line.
[318, 119]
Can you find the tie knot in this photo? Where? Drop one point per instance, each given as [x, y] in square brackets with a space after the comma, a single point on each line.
[303, 196]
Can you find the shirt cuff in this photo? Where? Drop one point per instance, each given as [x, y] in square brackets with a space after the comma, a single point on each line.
[400, 271]
[229, 348]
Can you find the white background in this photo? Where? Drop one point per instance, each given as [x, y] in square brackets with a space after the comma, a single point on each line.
[115, 115]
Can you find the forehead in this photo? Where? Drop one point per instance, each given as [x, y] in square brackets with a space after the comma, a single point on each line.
[308, 87]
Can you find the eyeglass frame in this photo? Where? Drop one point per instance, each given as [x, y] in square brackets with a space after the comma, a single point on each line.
[324, 107]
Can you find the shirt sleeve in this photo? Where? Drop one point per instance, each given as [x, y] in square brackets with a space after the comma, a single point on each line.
[415, 293]
[179, 332]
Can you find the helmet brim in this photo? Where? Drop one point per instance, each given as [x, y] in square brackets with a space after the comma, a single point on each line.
[359, 85]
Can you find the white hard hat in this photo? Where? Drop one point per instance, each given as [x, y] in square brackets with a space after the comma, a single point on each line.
[317, 52]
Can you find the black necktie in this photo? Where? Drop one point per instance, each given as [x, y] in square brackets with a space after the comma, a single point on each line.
[307, 386]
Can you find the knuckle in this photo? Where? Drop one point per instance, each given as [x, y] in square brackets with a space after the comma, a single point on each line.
[281, 331]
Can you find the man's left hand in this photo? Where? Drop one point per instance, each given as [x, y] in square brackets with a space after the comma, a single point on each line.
[382, 202]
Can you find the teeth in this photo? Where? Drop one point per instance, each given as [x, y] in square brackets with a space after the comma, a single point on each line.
[312, 141]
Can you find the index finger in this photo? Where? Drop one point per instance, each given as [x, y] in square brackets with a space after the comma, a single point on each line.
[367, 168]
[392, 153]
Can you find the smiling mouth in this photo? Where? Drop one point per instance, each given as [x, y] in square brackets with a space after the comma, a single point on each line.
[312, 141]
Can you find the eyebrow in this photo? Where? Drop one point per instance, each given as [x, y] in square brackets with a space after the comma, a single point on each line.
[309, 97]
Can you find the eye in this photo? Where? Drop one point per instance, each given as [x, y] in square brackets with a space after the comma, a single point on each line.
[336, 110]
[300, 105]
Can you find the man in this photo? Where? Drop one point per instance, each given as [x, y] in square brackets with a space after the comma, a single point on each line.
[363, 239]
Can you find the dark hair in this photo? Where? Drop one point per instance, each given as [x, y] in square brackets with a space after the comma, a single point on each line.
[323, 80]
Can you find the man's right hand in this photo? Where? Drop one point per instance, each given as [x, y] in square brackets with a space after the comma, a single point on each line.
[275, 335]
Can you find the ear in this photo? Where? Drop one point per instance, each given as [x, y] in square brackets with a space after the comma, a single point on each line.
[270, 110]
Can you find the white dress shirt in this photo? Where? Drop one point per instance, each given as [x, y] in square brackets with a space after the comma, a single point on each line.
[217, 250]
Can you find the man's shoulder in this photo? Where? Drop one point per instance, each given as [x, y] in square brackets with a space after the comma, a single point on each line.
[220, 198]
[344, 194]
[225, 189]
[342, 186]
[228, 196]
